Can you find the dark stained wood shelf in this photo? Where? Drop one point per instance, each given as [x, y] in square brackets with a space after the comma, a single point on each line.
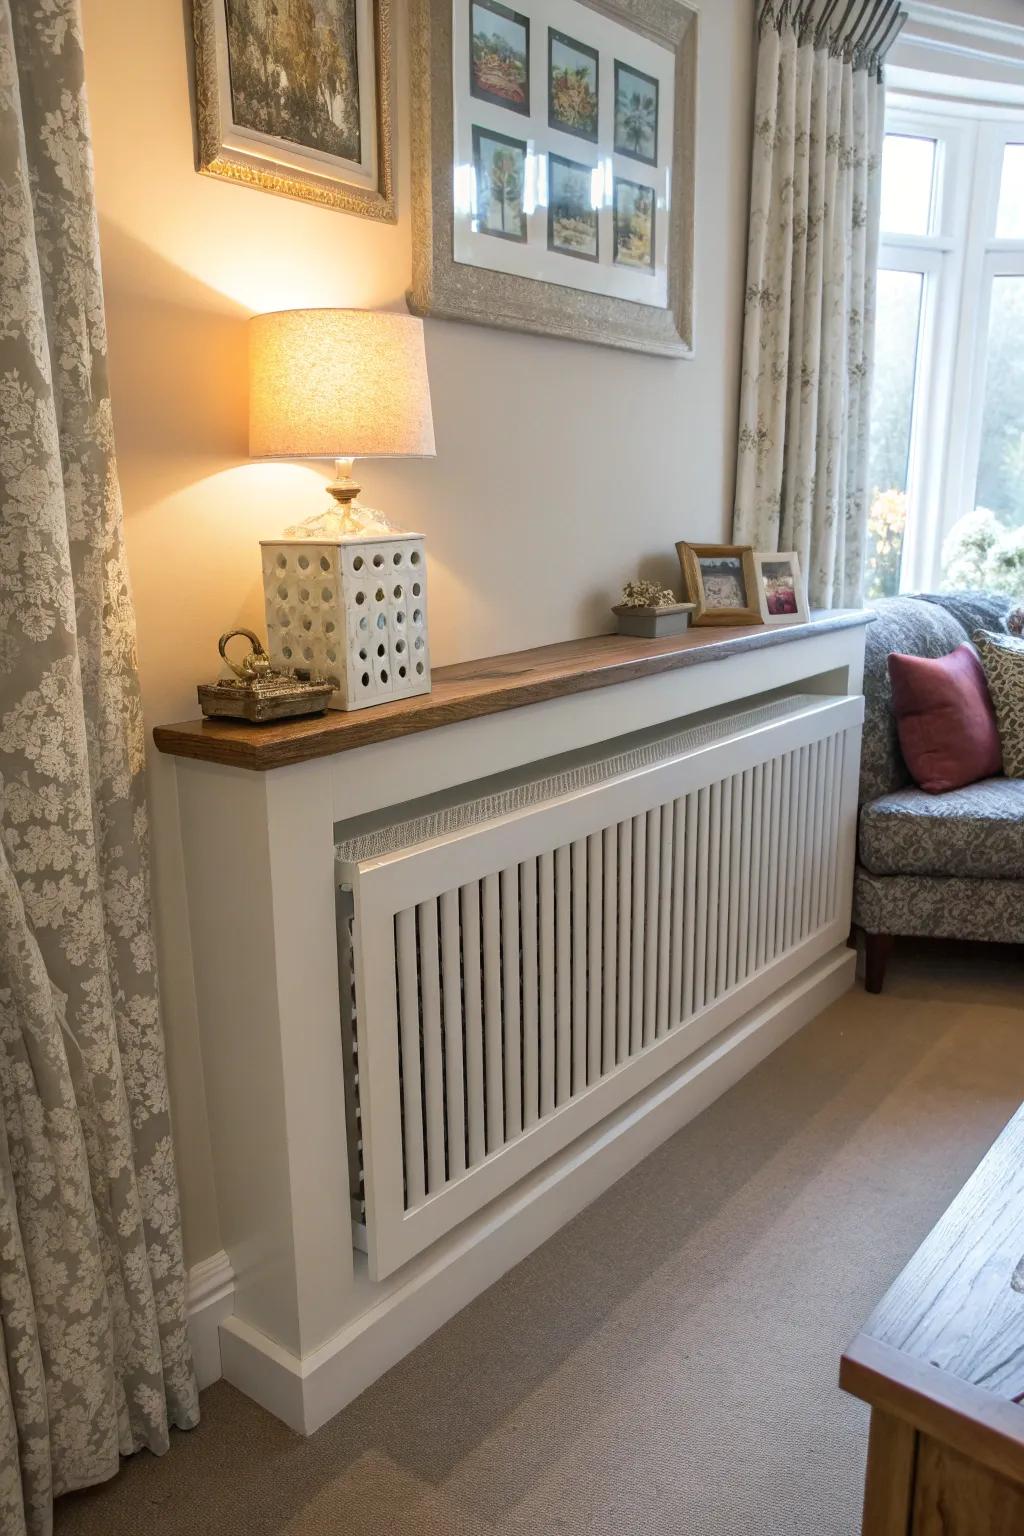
[470, 689]
[941, 1361]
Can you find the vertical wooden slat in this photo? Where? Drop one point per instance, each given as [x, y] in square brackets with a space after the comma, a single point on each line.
[753, 917]
[595, 986]
[714, 886]
[814, 885]
[827, 850]
[433, 1058]
[837, 811]
[625, 929]
[530, 1010]
[734, 882]
[652, 888]
[609, 948]
[494, 1096]
[678, 914]
[547, 982]
[783, 865]
[803, 840]
[742, 833]
[724, 884]
[563, 975]
[412, 1083]
[690, 906]
[791, 828]
[766, 879]
[805, 812]
[454, 1067]
[472, 992]
[636, 953]
[812, 809]
[661, 1021]
[700, 930]
[513, 1051]
[579, 931]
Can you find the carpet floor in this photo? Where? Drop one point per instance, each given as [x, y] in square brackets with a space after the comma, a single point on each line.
[666, 1364]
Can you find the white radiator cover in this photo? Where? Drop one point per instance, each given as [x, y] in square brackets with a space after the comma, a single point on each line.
[515, 968]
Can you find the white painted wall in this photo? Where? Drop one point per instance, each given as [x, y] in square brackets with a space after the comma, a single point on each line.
[560, 468]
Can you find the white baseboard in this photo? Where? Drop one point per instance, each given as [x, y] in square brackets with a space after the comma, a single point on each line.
[210, 1300]
[306, 1392]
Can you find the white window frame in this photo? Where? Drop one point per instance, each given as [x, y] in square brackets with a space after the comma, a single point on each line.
[957, 262]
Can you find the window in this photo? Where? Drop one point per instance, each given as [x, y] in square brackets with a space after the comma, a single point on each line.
[946, 465]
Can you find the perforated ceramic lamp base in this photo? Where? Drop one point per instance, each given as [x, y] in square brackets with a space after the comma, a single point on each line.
[351, 609]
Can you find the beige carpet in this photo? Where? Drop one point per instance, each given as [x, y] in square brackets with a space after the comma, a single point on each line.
[666, 1364]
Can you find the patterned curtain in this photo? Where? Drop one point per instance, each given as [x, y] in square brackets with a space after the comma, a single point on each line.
[94, 1360]
[808, 340]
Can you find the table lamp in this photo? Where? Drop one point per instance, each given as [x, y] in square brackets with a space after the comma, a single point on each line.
[345, 591]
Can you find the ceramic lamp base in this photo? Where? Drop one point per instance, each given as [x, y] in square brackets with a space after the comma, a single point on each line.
[352, 609]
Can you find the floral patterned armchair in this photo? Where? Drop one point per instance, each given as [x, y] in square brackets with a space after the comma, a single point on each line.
[938, 866]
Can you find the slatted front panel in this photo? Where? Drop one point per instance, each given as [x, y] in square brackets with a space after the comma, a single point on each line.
[534, 996]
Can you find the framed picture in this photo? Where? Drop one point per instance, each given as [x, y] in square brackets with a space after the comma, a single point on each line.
[586, 111]
[499, 56]
[721, 579]
[636, 114]
[574, 79]
[500, 165]
[572, 218]
[633, 214]
[780, 588]
[295, 98]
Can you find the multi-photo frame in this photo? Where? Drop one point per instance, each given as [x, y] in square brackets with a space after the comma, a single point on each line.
[554, 151]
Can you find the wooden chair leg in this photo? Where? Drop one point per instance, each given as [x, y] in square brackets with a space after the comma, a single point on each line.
[877, 949]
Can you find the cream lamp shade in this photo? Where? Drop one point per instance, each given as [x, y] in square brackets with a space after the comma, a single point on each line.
[345, 590]
[338, 384]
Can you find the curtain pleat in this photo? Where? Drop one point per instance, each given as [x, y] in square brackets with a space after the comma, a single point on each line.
[95, 1361]
[808, 335]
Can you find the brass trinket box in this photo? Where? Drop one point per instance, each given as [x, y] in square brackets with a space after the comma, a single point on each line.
[256, 692]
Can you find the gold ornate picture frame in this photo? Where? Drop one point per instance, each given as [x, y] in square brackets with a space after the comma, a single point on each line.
[320, 131]
[722, 580]
[488, 114]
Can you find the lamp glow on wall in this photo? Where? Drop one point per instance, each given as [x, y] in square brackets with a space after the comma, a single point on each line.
[345, 591]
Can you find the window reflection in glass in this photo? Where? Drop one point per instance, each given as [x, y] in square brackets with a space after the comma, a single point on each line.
[1010, 216]
[908, 179]
[1000, 484]
[892, 410]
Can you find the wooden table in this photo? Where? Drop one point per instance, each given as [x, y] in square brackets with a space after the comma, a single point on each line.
[941, 1361]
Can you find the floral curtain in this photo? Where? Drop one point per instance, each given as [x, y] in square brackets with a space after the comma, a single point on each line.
[94, 1359]
[809, 323]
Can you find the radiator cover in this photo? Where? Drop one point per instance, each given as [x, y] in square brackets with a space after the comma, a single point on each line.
[517, 966]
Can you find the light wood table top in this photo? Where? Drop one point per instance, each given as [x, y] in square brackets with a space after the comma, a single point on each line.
[944, 1348]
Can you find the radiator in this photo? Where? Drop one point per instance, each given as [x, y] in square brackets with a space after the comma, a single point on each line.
[518, 965]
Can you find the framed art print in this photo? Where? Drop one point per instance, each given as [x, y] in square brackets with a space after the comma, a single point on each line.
[566, 128]
[499, 56]
[295, 98]
[780, 588]
[721, 580]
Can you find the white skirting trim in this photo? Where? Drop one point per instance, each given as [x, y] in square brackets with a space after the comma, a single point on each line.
[211, 1299]
[306, 1392]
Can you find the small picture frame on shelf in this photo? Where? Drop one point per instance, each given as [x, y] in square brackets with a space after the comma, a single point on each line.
[721, 581]
[780, 588]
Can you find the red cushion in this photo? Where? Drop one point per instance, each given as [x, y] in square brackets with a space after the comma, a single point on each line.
[946, 722]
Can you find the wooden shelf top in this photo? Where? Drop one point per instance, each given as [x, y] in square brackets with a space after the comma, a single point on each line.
[470, 689]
